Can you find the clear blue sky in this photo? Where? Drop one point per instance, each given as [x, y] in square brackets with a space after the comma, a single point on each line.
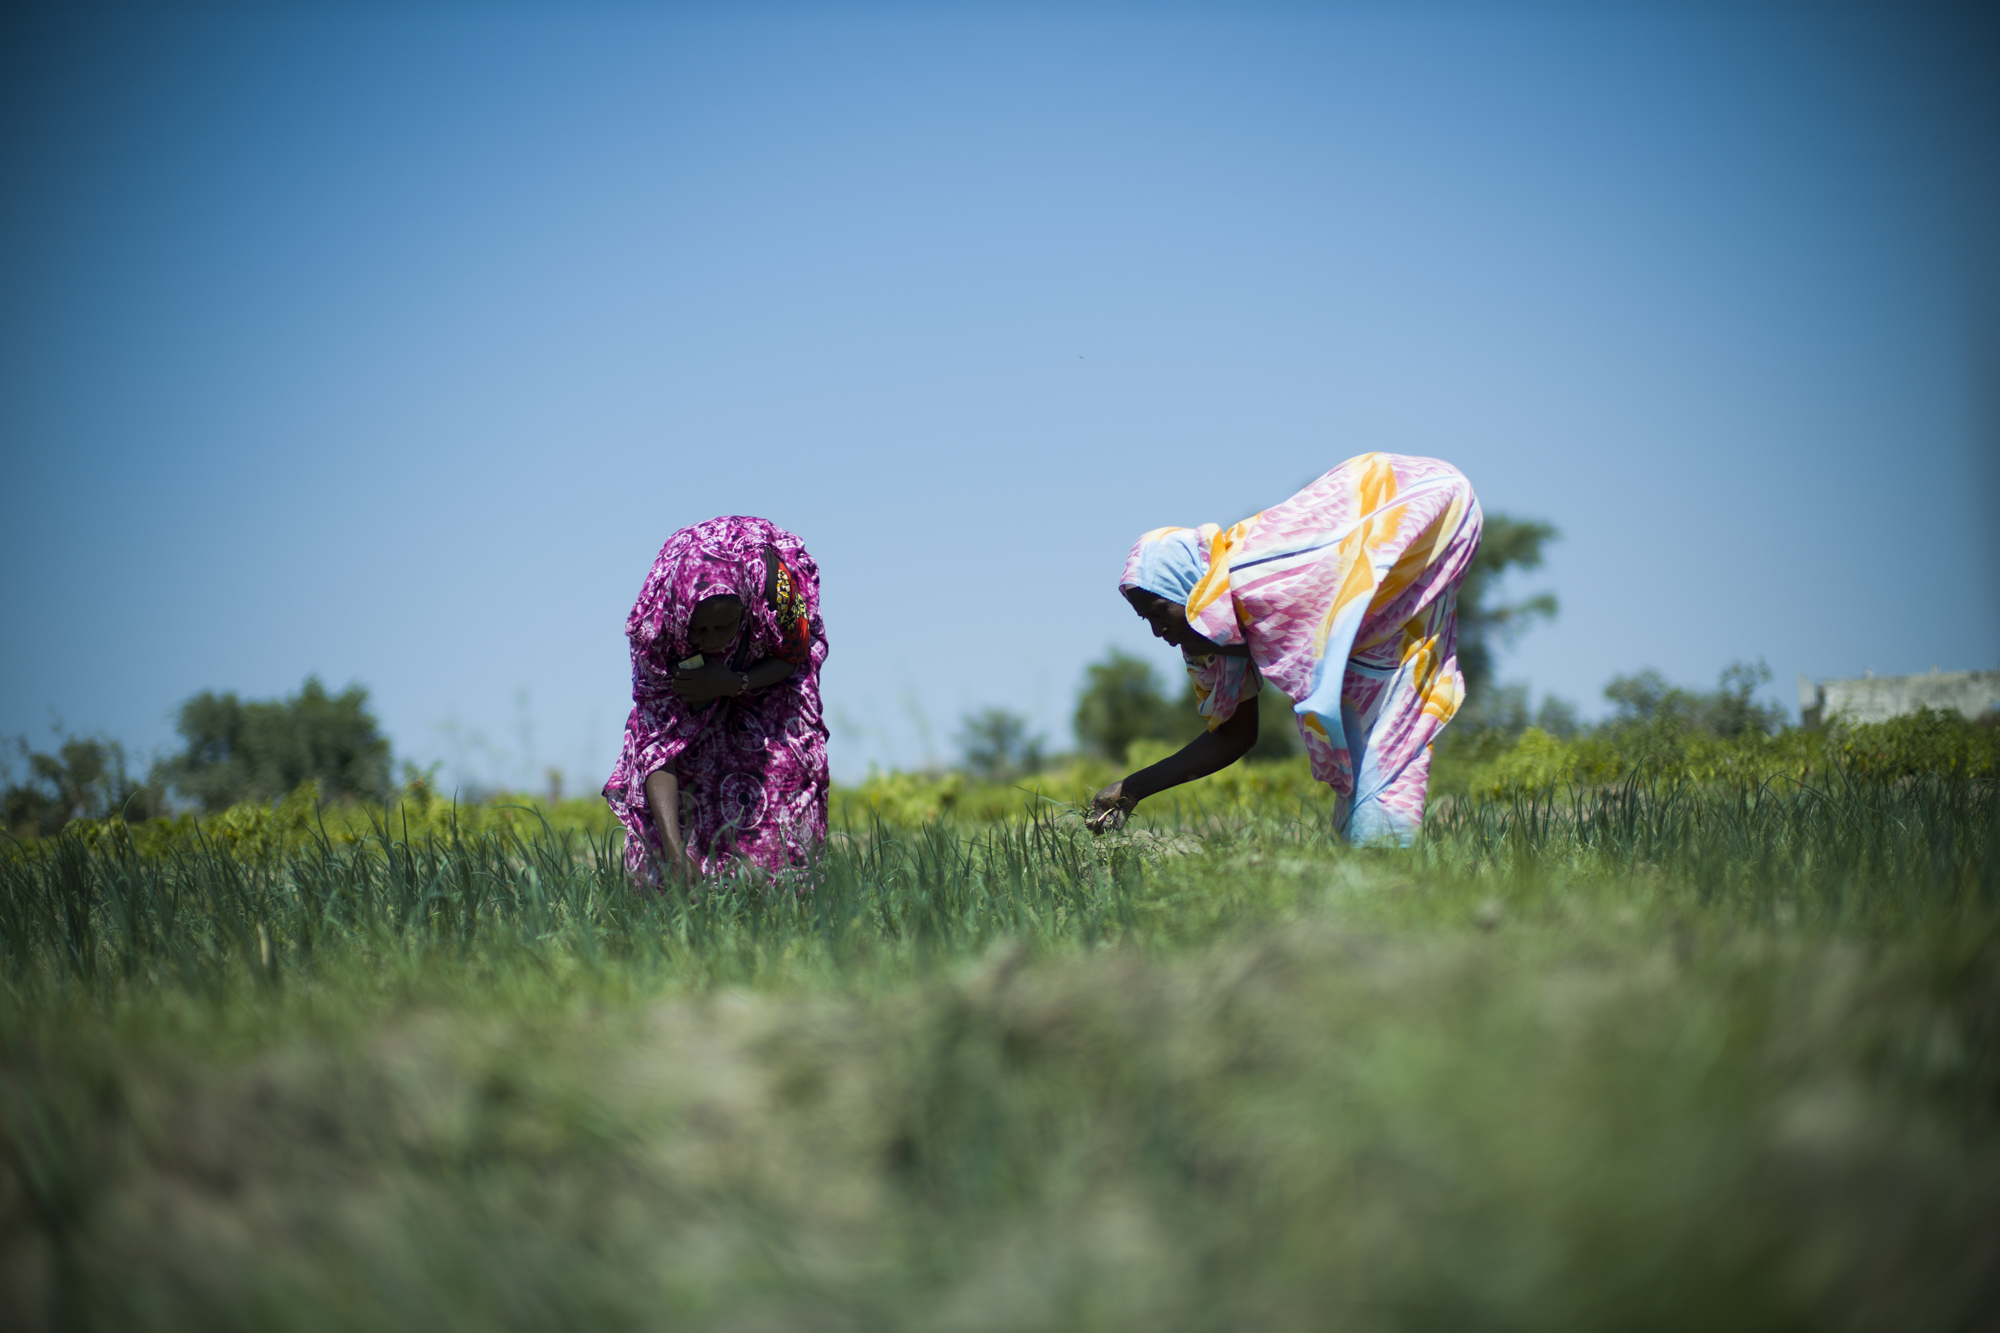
[389, 342]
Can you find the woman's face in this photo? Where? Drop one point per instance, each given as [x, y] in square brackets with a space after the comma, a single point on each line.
[712, 627]
[1169, 621]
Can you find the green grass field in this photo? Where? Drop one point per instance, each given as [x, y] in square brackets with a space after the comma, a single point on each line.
[1681, 1056]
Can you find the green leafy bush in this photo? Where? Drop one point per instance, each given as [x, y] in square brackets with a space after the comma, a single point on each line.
[1537, 764]
[259, 831]
[1923, 742]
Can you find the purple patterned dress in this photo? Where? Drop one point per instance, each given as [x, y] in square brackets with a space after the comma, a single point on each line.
[751, 769]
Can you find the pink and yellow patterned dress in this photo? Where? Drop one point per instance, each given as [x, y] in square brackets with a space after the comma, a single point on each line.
[751, 769]
[1347, 597]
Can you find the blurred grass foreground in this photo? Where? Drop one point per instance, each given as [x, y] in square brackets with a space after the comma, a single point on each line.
[1701, 1047]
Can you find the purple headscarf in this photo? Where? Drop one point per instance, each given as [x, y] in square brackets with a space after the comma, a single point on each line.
[723, 557]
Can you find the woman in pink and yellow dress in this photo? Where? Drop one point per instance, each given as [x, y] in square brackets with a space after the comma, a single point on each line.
[1345, 597]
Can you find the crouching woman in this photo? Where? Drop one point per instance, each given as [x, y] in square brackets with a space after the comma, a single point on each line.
[725, 750]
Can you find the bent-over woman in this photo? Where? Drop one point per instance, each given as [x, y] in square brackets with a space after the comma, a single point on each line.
[725, 750]
[1345, 597]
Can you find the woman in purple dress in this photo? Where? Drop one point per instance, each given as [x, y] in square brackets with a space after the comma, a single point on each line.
[725, 750]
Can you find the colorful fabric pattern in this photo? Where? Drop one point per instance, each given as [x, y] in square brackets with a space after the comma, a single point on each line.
[794, 620]
[752, 769]
[1347, 596]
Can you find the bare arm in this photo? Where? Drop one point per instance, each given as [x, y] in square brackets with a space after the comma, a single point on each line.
[1207, 753]
[717, 680]
[768, 671]
[663, 798]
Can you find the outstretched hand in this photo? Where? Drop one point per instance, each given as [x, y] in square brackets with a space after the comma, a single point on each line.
[1109, 809]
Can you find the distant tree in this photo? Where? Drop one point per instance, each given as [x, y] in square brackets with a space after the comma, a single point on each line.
[998, 746]
[265, 748]
[1508, 543]
[85, 778]
[1558, 718]
[1644, 696]
[1122, 702]
[1497, 708]
[1506, 711]
[1646, 699]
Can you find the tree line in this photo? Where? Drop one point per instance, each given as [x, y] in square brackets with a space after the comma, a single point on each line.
[232, 750]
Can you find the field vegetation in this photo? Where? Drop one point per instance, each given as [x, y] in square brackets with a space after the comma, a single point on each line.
[1711, 1042]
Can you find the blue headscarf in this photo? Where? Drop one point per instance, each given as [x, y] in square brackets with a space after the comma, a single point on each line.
[1169, 562]
[1166, 562]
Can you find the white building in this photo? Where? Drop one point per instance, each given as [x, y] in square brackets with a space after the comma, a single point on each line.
[1874, 698]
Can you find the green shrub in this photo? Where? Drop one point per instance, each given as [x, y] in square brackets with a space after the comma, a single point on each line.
[1925, 742]
[1537, 764]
